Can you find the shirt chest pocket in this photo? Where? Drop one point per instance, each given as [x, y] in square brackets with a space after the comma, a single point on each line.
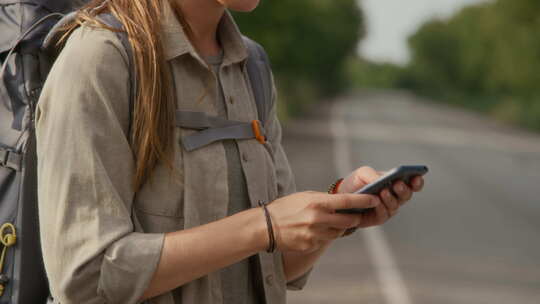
[158, 220]
[159, 205]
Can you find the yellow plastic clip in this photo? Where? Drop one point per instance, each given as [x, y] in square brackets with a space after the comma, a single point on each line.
[7, 239]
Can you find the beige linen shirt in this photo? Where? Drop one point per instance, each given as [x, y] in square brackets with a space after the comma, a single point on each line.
[101, 241]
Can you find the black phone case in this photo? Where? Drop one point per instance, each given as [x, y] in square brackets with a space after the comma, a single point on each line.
[404, 173]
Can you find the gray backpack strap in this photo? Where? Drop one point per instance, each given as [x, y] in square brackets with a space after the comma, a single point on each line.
[56, 32]
[111, 21]
[213, 128]
[11, 159]
[258, 68]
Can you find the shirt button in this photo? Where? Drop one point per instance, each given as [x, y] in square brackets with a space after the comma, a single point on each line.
[231, 99]
[244, 157]
[269, 279]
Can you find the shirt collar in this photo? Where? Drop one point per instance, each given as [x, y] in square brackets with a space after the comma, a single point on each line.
[176, 42]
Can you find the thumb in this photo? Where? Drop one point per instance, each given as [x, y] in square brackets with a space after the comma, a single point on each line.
[350, 200]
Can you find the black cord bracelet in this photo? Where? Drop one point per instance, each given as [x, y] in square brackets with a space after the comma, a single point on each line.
[271, 238]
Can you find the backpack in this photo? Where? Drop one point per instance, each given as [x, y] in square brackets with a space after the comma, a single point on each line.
[28, 28]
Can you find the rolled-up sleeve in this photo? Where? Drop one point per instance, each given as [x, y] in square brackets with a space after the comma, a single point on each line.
[284, 174]
[91, 251]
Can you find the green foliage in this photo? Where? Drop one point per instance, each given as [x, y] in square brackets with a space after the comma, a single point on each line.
[486, 57]
[308, 42]
[366, 74]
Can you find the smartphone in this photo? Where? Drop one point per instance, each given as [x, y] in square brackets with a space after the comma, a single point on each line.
[404, 173]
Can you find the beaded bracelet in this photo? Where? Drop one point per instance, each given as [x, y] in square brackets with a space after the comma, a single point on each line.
[271, 238]
[333, 189]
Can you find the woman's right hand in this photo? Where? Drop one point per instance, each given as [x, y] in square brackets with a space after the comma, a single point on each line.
[306, 221]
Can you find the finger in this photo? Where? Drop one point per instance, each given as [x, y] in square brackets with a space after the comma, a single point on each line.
[382, 214]
[330, 233]
[403, 191]
[417, 183]
[391, 211]
[366, 175]
[376, 217]
[348, 200]
[389, 200]
[339, 220]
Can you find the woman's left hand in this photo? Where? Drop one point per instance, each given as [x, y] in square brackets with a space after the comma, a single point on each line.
[390, 201]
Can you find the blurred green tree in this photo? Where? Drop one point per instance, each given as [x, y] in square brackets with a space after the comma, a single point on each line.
[487, 57]
[308, 42]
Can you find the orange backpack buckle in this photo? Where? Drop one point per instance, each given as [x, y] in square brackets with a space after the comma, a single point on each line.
[255, 124]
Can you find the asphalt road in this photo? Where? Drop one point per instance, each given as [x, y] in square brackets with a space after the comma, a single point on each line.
[472, 236]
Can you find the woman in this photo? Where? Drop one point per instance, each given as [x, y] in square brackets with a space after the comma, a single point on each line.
[128, 215]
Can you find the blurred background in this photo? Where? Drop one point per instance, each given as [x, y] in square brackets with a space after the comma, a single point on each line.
[452, 84]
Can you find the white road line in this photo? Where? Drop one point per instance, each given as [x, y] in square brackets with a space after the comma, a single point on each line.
[390, 279]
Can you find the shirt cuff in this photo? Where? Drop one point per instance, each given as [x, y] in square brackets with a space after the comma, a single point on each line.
[299, 283]
[128, 267]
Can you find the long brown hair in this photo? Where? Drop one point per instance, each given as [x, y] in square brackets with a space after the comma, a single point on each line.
[153, 115]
